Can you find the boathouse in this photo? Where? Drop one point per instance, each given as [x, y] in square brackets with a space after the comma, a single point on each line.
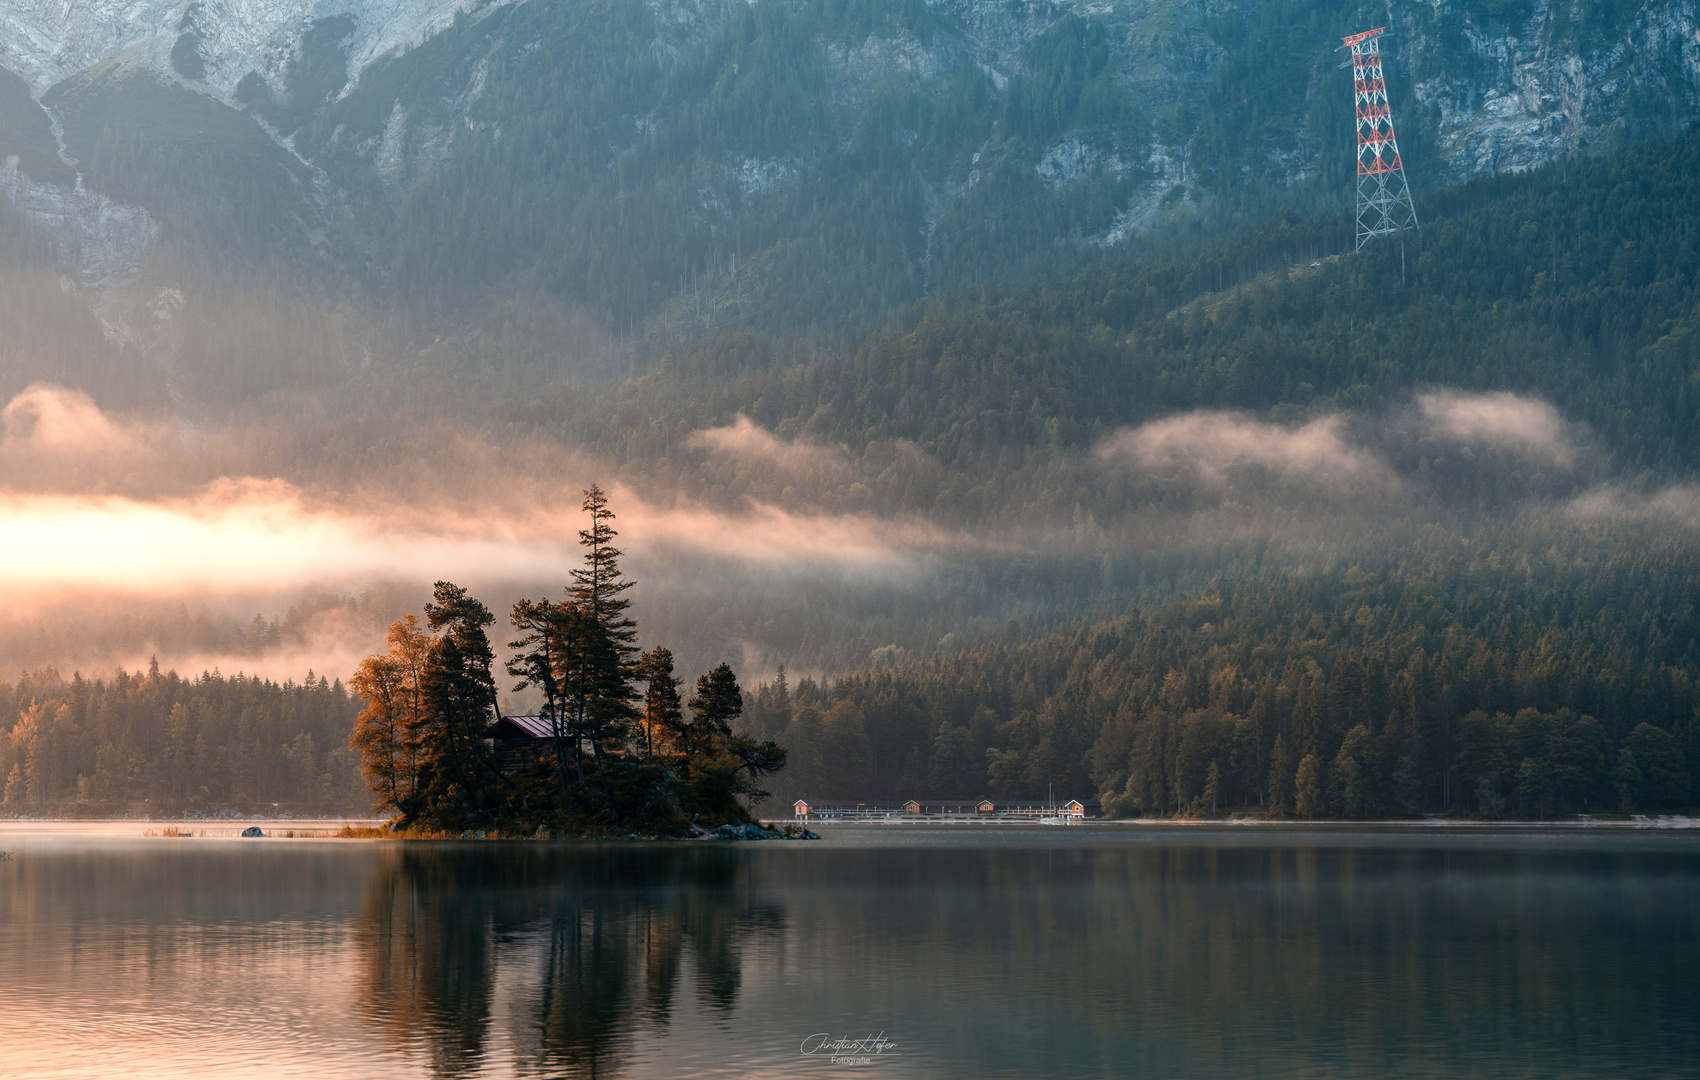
[942, 809]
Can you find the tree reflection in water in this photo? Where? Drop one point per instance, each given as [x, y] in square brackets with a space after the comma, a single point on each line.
[587, 944]
[1112, 953]
[1350, 955]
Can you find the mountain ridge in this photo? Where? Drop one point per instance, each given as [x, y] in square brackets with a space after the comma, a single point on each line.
[663, 169]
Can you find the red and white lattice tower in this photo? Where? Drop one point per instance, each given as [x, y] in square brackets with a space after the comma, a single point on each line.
[1384, 199]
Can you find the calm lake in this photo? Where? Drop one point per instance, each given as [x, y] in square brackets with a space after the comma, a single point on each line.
[1108, 951]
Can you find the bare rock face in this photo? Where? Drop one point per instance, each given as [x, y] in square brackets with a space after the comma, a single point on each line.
[1513, 96]
[1499, 96]
[100, 237]
[46, 41]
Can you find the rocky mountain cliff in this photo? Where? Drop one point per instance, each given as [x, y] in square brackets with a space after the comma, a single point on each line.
[672, 167]
[218, 41]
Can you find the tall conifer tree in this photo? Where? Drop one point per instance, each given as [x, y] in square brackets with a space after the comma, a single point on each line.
[599, 585]
[606, 638]
[460, 696]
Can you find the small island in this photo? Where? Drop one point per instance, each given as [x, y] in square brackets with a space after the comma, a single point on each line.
[611, 750]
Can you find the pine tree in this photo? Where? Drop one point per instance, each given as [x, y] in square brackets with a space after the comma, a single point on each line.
[717, 703]
[1307, 794]
[458, 770]
[1355, 774]
[719, 765]
[602, 639]
[537, 662]
[1626, 775]
[662, 716]
[1280, 777]
[599, 585]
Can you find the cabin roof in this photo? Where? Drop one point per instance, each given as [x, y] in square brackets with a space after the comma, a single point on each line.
[531, 726]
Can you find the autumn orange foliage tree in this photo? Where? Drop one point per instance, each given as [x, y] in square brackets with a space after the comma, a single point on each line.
[388, 733]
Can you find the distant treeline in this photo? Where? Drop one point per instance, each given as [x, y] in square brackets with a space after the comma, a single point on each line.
[1482, 685]
[153, 743]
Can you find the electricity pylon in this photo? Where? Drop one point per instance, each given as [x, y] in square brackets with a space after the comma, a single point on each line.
[1384, 198]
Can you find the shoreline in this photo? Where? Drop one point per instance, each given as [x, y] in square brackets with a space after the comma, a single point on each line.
[1090, 831]
[1663, 821]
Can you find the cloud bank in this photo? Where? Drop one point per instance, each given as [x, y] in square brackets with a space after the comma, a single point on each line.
[53, 420]
[770, 537]
[1509, 421]
[744, 440]
[1211, 442]
[1678, 504]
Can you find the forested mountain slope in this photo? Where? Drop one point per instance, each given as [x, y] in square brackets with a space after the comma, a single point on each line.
[1577, 284]
[563, 190]
[1436, 608]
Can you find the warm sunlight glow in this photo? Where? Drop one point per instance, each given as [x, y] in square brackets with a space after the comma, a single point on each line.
[242, 536]
[238, 536]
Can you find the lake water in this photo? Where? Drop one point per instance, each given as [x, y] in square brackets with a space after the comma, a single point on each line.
[981, 952]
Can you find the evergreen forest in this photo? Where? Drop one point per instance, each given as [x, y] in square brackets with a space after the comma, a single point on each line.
[147, 743]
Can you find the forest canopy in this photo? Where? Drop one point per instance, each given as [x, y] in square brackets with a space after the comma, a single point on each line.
[1465, 687]
[156, 744]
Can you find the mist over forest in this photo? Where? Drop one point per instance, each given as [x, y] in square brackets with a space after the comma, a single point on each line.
[990, 467]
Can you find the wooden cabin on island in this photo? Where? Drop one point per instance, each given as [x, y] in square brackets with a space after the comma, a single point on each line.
[516, 740]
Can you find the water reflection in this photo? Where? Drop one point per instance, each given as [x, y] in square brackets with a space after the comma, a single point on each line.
[1209, 960]
[1216, 958]
[589, 946]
